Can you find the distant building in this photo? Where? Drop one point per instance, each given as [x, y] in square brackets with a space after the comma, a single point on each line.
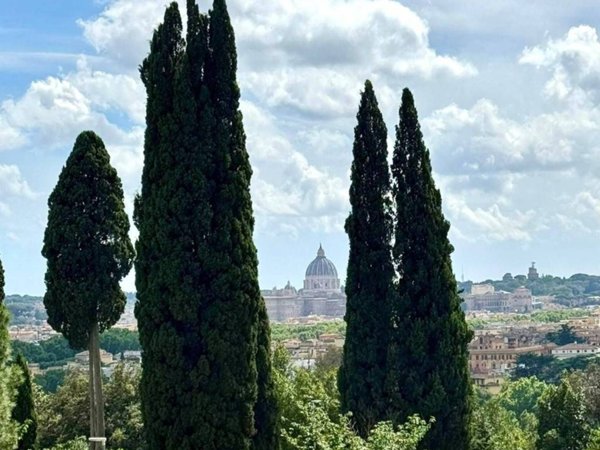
[494, 354]
[84, 357]
[573, 350]
[484, 297]
[533, 273]
[322, 294]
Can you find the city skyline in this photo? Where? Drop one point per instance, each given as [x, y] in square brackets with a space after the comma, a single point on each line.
[509, 108]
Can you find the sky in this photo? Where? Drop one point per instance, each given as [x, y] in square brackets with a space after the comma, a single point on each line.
[508, 95]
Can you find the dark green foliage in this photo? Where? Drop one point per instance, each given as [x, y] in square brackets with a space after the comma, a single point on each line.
[562, 420]
[118, 340]
[564, 335]
[63, 415]
[266, 417]
[57, 352]
[53, 351]
[428, 365]
[86, 244]
[370, 271]
[4, 318]
[24, 410]
[547, 368]
[50, 380]
[203, 327]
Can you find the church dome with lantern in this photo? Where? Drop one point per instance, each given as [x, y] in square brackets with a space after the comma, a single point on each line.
[321, 274]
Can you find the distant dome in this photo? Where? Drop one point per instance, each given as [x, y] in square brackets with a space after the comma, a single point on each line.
[321, 266]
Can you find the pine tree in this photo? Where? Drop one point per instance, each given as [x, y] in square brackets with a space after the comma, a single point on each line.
[24, 408]
[206, 379]
[370, 271]
[428, 359]
[88, 250]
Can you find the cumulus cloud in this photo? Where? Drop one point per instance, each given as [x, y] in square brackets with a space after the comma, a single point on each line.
[491, 222]
[311, 57]
[574, 61]
[123, 30]
[53, 111]
[494, 165]
[13, 189]
[287, 189]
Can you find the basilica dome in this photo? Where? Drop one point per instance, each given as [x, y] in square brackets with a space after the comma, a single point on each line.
[321, 274]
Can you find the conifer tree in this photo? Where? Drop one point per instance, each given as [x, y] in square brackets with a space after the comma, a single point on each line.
[199, 305]
[9, 428]
[24, 409]
[164, 318]
[428, 360]
[239, 307]
[370, 271]
[88, 252]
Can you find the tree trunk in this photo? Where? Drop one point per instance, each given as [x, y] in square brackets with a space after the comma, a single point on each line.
[96, 397]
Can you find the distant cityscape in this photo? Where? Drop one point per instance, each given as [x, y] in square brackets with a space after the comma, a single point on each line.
[492, 307]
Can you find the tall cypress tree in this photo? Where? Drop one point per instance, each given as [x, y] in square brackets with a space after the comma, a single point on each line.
[8, 427]
[88, 250]
[370, 271]
[242, 350]
[24, 409]
[428, 362]
[165, 318]
[199, 306]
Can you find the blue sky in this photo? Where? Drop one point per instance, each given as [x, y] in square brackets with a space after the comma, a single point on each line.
[508, 96]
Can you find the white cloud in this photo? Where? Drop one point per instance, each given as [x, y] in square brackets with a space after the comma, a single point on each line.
[52, 112]
[381, 34]
[123, 30]
[287, 189]
[14, 189]
[107, 91]
[490, 223]
[574, 61]
[13, 184]
[10, 136]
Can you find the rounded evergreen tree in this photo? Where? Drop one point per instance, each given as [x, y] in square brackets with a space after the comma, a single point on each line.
[88, 253]
[370, 271]
[428, 360]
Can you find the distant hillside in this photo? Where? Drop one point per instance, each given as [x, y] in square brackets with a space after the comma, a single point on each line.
[578, 286]
[27, 309]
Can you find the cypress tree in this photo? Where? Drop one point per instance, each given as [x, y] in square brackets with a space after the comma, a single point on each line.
[164, 318]
[88, 250]
[4, 319]
[428, 361]
[24, 409]
[199, 305]
[370, 271]
[243, 347]
[8, 427]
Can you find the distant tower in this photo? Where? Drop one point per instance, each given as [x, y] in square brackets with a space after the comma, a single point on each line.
[533, 273]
